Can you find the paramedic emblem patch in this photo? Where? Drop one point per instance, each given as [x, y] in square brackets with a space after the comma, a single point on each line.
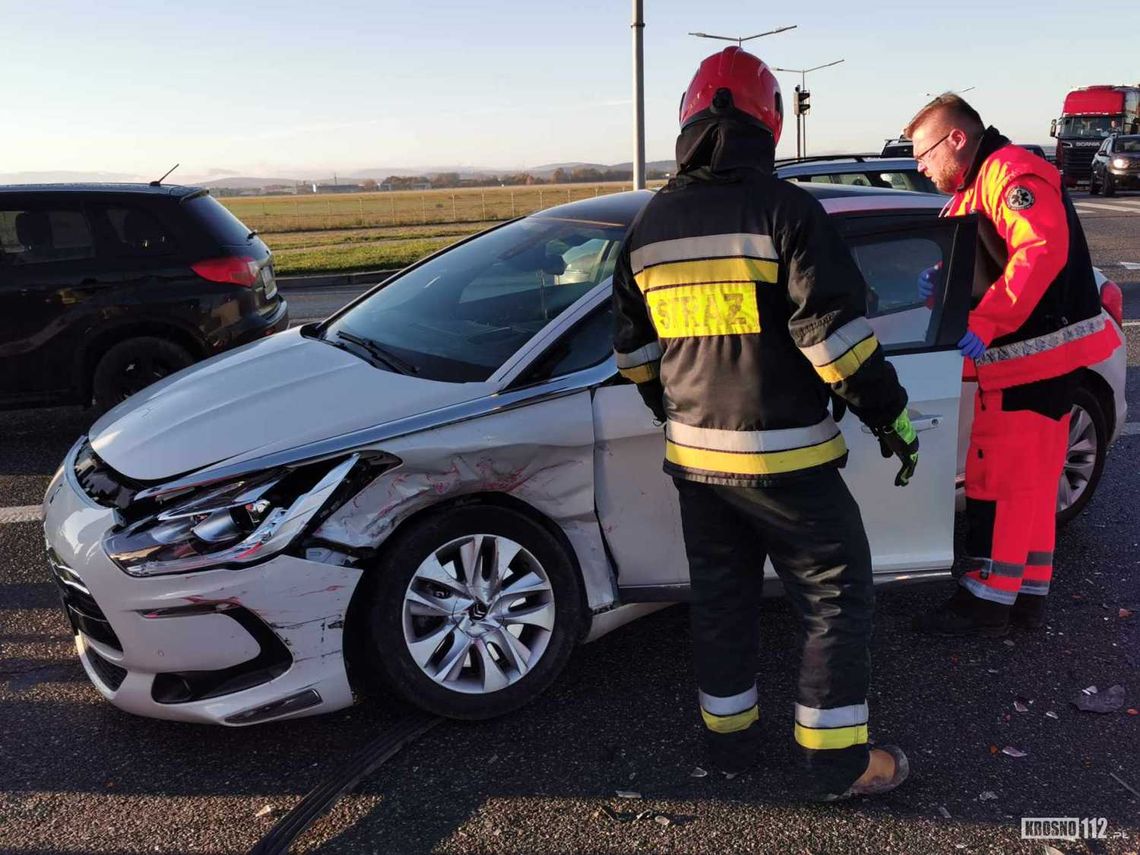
[1019, 198]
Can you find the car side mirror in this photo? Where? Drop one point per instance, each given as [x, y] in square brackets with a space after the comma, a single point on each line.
[1053, 128]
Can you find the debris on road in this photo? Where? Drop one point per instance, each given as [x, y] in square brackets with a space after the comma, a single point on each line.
[662, 819]
[1010, 751]
[1009, 642]
[945, 813]
[986, 796]
[267, 810]
[1133, 711]
[1051, 714]
[1124, 614]
[1020, 706]
[1124, 784]
[698, 772]
[627, 794]
[1090, 700]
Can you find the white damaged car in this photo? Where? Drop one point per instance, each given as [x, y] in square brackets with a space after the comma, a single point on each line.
[445, 487]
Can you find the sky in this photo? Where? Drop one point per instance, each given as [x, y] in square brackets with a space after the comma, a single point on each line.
[306, 89]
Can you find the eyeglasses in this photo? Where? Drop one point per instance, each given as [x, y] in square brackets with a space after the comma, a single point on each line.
[921, 158]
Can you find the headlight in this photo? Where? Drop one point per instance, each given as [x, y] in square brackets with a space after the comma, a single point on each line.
[240, 522]
[1120, 162]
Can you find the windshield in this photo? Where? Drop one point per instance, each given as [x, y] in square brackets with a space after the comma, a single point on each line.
[1087, 126]
[458, 317]
[1127, 144]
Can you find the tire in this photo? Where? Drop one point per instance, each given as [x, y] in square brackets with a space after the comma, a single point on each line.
[1084, 458]
[132, 365]
[1109, 185]
[414, 600]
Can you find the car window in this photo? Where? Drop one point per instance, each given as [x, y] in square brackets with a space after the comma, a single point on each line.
[589, 342]
[891, 264]
[137, 232]
[1128, 145]
[217, 220]
[38, 236]
[460, 315]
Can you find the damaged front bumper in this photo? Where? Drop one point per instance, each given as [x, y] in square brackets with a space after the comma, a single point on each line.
[222, 646]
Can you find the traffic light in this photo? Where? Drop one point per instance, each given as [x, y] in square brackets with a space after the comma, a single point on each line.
[802, 105]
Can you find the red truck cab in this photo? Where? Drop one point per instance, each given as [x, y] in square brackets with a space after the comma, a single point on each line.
[1090, 114]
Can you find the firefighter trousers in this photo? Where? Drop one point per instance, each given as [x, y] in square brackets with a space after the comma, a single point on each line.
[811, 528]
[1017, 451]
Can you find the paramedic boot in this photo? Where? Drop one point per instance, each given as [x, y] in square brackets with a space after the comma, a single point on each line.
[965, 615]
[733, 753]
[1027, 611]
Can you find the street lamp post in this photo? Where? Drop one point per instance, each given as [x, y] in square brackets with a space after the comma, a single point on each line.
[638, 27]
[801, 116]
[740, 40]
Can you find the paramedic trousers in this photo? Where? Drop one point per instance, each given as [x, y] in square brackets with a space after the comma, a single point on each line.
[1017, 451]
[810, 527]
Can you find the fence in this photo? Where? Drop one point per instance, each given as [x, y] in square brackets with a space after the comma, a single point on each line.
[315, 212]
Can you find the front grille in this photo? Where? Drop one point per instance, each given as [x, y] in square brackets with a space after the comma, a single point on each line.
[100, 482]
[109, 674]
[1078, 162]
[83, 613]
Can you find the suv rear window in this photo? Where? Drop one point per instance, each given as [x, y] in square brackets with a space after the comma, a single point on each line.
[221, 225]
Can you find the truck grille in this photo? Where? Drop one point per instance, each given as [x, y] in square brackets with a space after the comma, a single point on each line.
[83, 613]
[1078, 162]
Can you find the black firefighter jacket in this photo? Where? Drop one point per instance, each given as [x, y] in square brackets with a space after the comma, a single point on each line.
[739, 307]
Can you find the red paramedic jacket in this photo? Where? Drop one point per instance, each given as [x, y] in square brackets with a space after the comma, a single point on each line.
[1037, 305]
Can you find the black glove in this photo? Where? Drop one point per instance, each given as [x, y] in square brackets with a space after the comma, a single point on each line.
[899, 439]
[653, 393]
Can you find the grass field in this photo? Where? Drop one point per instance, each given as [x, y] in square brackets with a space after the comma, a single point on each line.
[372, 231]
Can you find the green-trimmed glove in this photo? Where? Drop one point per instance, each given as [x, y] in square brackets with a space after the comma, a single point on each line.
[899, 439]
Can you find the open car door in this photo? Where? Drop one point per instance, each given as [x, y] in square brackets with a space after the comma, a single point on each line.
[911, 529]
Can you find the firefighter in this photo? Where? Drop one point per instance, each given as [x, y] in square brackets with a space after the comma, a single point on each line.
[1036, 320]
[739, 312]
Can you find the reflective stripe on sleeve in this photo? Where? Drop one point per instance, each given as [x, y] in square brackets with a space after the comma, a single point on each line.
[642, 355]
[838, 343]
[706, 246]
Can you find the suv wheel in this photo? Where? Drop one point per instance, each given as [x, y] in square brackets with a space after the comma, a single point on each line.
[1084, 459]
[472, 614]
[132, 365]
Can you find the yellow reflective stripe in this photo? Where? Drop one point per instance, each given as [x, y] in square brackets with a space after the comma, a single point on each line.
[722, 308]
[764, 463]
[832, 737]
[707, 270]
[641, 373]
[730, 723]
[848, 363]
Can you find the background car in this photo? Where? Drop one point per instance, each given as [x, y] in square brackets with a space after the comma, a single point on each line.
[442, 489]
[106, 288]
[857, 170]
[1116, 166]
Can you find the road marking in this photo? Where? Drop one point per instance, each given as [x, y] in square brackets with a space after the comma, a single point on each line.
[1116, 209]
[1130, 429]
[21, 514]
[1129, 265]
[1132, 323]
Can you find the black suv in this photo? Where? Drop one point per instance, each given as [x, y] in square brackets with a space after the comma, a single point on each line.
[105, 288]
[1116, 165]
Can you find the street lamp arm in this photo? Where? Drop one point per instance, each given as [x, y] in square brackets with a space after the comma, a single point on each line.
[825, 65]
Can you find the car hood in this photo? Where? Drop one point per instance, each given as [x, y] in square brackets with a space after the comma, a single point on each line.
[269, 396]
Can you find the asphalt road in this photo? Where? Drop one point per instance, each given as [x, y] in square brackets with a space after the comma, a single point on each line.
[79, 776]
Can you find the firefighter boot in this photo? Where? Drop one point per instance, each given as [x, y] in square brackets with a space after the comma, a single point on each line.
[1027, 611]
[965, 615]
[733, 753]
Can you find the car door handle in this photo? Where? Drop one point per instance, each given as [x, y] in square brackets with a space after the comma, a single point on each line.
[919, 423]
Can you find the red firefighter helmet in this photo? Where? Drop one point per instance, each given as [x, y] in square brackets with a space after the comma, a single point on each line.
[734, 78]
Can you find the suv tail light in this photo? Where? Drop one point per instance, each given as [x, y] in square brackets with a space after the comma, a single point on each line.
[230, 270]
[1112, 299]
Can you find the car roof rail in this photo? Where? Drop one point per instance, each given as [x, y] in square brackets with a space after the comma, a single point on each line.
[823, 158]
